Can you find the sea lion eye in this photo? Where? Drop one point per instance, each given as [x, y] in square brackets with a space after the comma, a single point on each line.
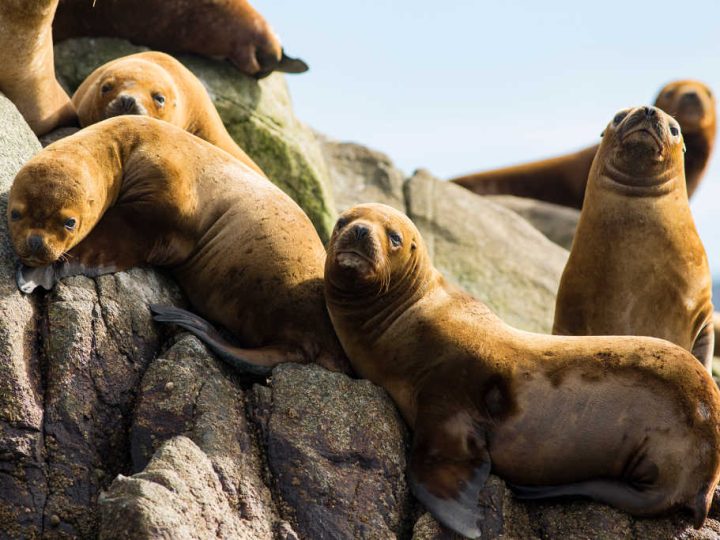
[674, 131]
[159, 99]
[619, 117]
[395, 238]
[105, 88]
[341, 222]
[70, 224]
[15, 215]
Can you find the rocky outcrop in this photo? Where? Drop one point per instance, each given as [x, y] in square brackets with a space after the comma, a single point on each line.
[258, 115]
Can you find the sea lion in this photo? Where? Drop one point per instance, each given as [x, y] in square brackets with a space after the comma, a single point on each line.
[154, 84]
[27, 71]
[562, 180]
[230, 29]
[629, 421]
[637, 265]
[133, 191]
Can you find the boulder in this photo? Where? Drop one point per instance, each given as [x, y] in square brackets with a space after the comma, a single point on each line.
[335, 450]
[257, 114]
[362, 175]
[488, 250]
[556, 222]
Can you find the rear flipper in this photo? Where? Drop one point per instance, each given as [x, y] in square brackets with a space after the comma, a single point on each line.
[250, 361]
[704, 345]
[30, 278]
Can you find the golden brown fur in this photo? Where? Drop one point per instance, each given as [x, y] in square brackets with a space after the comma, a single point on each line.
[132, 191]
[154, 84]
[230, 29]
[27, 72]
[637, 265]
[630, 421]
[562, 180]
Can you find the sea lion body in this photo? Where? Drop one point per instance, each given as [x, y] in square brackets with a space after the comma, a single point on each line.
[637, 265]
[27, 71]
[629, 421]
[133, 191]
[156, 85]
[563, 179]
[230, 29]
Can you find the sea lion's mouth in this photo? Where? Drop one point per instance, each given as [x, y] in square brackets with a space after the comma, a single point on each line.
[351, 258]
[641, 133]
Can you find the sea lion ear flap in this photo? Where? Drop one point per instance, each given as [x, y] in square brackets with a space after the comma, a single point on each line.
[449, 465]
[291, 65]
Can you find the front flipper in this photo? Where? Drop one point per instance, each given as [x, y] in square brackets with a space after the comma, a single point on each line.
[28, 278]
[251, 361]
[449, 466]
[704, 347]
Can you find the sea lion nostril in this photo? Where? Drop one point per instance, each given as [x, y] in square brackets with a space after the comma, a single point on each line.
[650, 112]
[127, 102]
[361, 231]
[690, 98]
[35, 243]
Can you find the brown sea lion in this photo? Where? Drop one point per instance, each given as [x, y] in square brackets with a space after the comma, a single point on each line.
[562, 180]
[133, 191]
[230, 29]
[154, 84]
[637, 265]
[629, 421]
[27, 71]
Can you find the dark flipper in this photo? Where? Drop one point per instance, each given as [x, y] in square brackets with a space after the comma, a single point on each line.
[704, 346]
[250, 361]
[291, 65]
[28, 279]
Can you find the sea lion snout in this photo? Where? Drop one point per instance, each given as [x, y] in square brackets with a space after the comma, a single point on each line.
[35, 243]
[125, 104]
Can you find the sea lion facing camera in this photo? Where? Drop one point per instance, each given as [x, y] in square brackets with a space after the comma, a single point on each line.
[629, 421]
[637, 265]
[563, 180]
[230, 29]
[133, 191]
[154, 84]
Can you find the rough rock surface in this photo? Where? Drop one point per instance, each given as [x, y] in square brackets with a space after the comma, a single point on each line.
[488, 250]
[360, 175]
[258, 115]
[336, 453]
[556, 222]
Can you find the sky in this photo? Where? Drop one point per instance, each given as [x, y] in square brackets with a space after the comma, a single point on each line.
[460, 86]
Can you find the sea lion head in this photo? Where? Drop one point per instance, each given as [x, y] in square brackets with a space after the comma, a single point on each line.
[372, 249]
[48, 209]
[129, 86]
[642, 147]
[691, 103]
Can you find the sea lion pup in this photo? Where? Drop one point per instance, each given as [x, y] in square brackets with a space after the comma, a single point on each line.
[629, 421]
[132, 191]
[27, 71]
[637, 265]
[154, 84]
[230, 29]
[563, 179]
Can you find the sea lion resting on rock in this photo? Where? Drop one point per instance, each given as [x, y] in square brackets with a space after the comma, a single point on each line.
[629, 421]
[562, 180]
[637, 265]
[133, 191]
[27, 71]
[230, 29]
[154, 84]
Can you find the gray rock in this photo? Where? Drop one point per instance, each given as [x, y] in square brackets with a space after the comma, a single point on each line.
[188, 392]
[177, 497]
[362, 175]
[258, 115]
[488, 250]
[22, 483]
[556, 222]
[336, 453]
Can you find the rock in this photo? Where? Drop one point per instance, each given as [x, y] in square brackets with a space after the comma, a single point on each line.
[336, 453]
[362, 175]
[98, 340]
[57, 134]
[178, 496]
[258, 115]
[488, 250]
[22, 482]
[556, 222]
[188, 392]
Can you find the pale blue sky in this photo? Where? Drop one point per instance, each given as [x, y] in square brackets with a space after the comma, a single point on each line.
[458, 86]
